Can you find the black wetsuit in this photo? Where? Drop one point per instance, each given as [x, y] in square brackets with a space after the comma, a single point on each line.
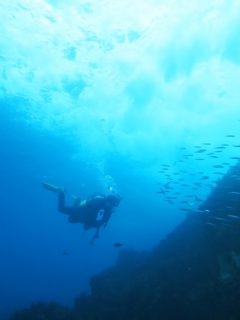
[94, 213]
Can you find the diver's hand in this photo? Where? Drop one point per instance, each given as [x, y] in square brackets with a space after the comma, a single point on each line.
[105, 224]
[96, 236]
[93, 240]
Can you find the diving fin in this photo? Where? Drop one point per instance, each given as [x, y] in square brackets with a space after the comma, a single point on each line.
[51, 187]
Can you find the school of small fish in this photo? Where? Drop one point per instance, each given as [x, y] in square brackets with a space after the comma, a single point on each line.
[181, 187]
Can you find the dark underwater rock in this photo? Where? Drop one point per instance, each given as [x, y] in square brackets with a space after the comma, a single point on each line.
[43, 311]
[193, 274]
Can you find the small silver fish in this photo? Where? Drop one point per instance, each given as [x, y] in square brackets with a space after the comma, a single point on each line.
[220, 219]
[211, 224]
[233, 216]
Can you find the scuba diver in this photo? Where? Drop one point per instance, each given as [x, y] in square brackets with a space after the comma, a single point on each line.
[92, 213]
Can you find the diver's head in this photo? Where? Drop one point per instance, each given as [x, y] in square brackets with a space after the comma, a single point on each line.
[113, 199]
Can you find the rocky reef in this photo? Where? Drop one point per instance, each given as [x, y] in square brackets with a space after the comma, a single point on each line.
[43, 311]
[194, 273]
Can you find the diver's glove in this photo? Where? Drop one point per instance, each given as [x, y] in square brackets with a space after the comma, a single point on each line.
[95, 237]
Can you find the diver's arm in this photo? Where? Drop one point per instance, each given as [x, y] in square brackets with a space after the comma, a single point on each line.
[96, 235]
[107, 216]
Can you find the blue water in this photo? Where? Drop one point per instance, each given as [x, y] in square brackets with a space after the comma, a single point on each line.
[96, 94]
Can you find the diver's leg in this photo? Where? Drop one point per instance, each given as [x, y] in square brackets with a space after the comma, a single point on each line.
[61, 201]
[61, 204]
